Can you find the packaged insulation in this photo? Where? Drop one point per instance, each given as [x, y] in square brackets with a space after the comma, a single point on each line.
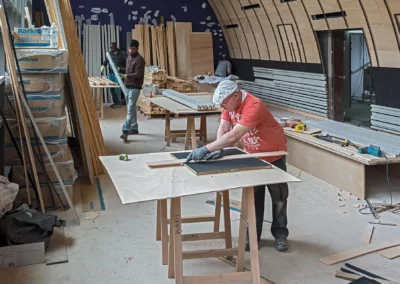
[51, 128]
[59, 151]
[66, 170]
[42, 105]
[40, 83]
[23, 195]
[34, 38]
[43, 60]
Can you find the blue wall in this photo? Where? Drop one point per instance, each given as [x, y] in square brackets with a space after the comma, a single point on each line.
[196, 14]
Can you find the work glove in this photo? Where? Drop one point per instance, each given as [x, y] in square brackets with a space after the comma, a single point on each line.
[215, 155]
[197, 154]
[118, 69]
[102, 68]
[123, 76]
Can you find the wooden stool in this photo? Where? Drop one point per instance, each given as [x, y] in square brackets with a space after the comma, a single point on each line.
[163, 221]
[177, 255]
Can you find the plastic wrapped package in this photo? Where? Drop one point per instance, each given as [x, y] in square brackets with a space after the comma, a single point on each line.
[43, 60]
[59, 151]
[51, 83]
[23, 195]
[8, 192]
[66, 170]
[41, 105]
[36, 37]
[51, 128]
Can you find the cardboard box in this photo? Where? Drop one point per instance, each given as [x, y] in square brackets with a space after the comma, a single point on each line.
[42, 105]
[66, 170]
[22, 255]
[43, 60]
[32, 38]
[51, 128]
[40, 83]
[59, 151]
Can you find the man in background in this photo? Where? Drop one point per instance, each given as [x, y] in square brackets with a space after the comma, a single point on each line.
[134, 78]
[224, 69]
[119, 58]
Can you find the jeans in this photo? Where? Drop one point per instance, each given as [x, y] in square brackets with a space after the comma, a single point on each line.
[115, 92]
[279, 195]
[131, 117]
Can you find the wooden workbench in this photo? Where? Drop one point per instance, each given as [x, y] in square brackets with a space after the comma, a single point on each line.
[175, 183]
[344, 167]
[97, 85]
[190, 133]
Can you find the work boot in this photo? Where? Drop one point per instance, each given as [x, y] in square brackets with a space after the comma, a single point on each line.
[133, 132]
[112, 105]
[124, 135]
[281, 244]
[116, 106]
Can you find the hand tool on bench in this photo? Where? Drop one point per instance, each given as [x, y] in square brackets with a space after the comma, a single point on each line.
[343, 142]
[300, 127]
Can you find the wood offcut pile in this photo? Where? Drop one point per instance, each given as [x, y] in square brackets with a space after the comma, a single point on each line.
[160, 77]
[86, 125]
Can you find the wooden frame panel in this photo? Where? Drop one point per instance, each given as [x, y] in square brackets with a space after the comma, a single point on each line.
[289, 43]
[224, 30]
[269, 32]
[313, 7]
[331, 6]
[257, 30]
[234, 33]
[383, 35]
[393, 7]
[241, 16]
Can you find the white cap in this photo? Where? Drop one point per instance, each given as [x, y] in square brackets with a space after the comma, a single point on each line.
[224, 90]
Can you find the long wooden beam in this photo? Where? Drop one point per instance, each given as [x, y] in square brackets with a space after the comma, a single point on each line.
[180, 162]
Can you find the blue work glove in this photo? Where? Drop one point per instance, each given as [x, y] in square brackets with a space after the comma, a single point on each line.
[215, 155]
[197, 154]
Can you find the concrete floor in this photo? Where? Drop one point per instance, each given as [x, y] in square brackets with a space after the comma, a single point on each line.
[120, 246]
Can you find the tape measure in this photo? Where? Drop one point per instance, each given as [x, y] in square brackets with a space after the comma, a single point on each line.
[123, 157]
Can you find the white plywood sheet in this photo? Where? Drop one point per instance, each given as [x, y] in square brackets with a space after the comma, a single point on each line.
[136, 182]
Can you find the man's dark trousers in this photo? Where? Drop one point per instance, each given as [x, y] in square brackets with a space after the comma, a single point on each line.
[279, 195]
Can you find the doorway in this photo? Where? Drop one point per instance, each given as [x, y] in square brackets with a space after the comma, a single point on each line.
[347, 66]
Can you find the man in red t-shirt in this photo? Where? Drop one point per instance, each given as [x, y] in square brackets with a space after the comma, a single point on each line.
[258, 131]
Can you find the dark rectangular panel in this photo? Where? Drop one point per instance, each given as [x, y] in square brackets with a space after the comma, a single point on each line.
[332, 15]
[248, 7]
[227, 152]
[231, 26]
[227, 166]
[386, 85]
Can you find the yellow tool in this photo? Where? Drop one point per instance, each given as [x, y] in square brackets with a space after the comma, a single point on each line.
[300, 127]
[123, 157]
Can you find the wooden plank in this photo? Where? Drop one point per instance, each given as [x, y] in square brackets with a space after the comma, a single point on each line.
[218, 278]
[182, 31]
[180, 162]
[177, 228]
[369, 231]
[227, 220]
[164, 230]
[146, 43]
[203, 236]
[209, 253]
[172, 70]
[252, 227]
[391, 253]
[356, 252]
[201, 54]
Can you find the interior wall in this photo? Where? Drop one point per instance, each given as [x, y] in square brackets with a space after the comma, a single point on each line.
[283, 33]
[128, 13]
